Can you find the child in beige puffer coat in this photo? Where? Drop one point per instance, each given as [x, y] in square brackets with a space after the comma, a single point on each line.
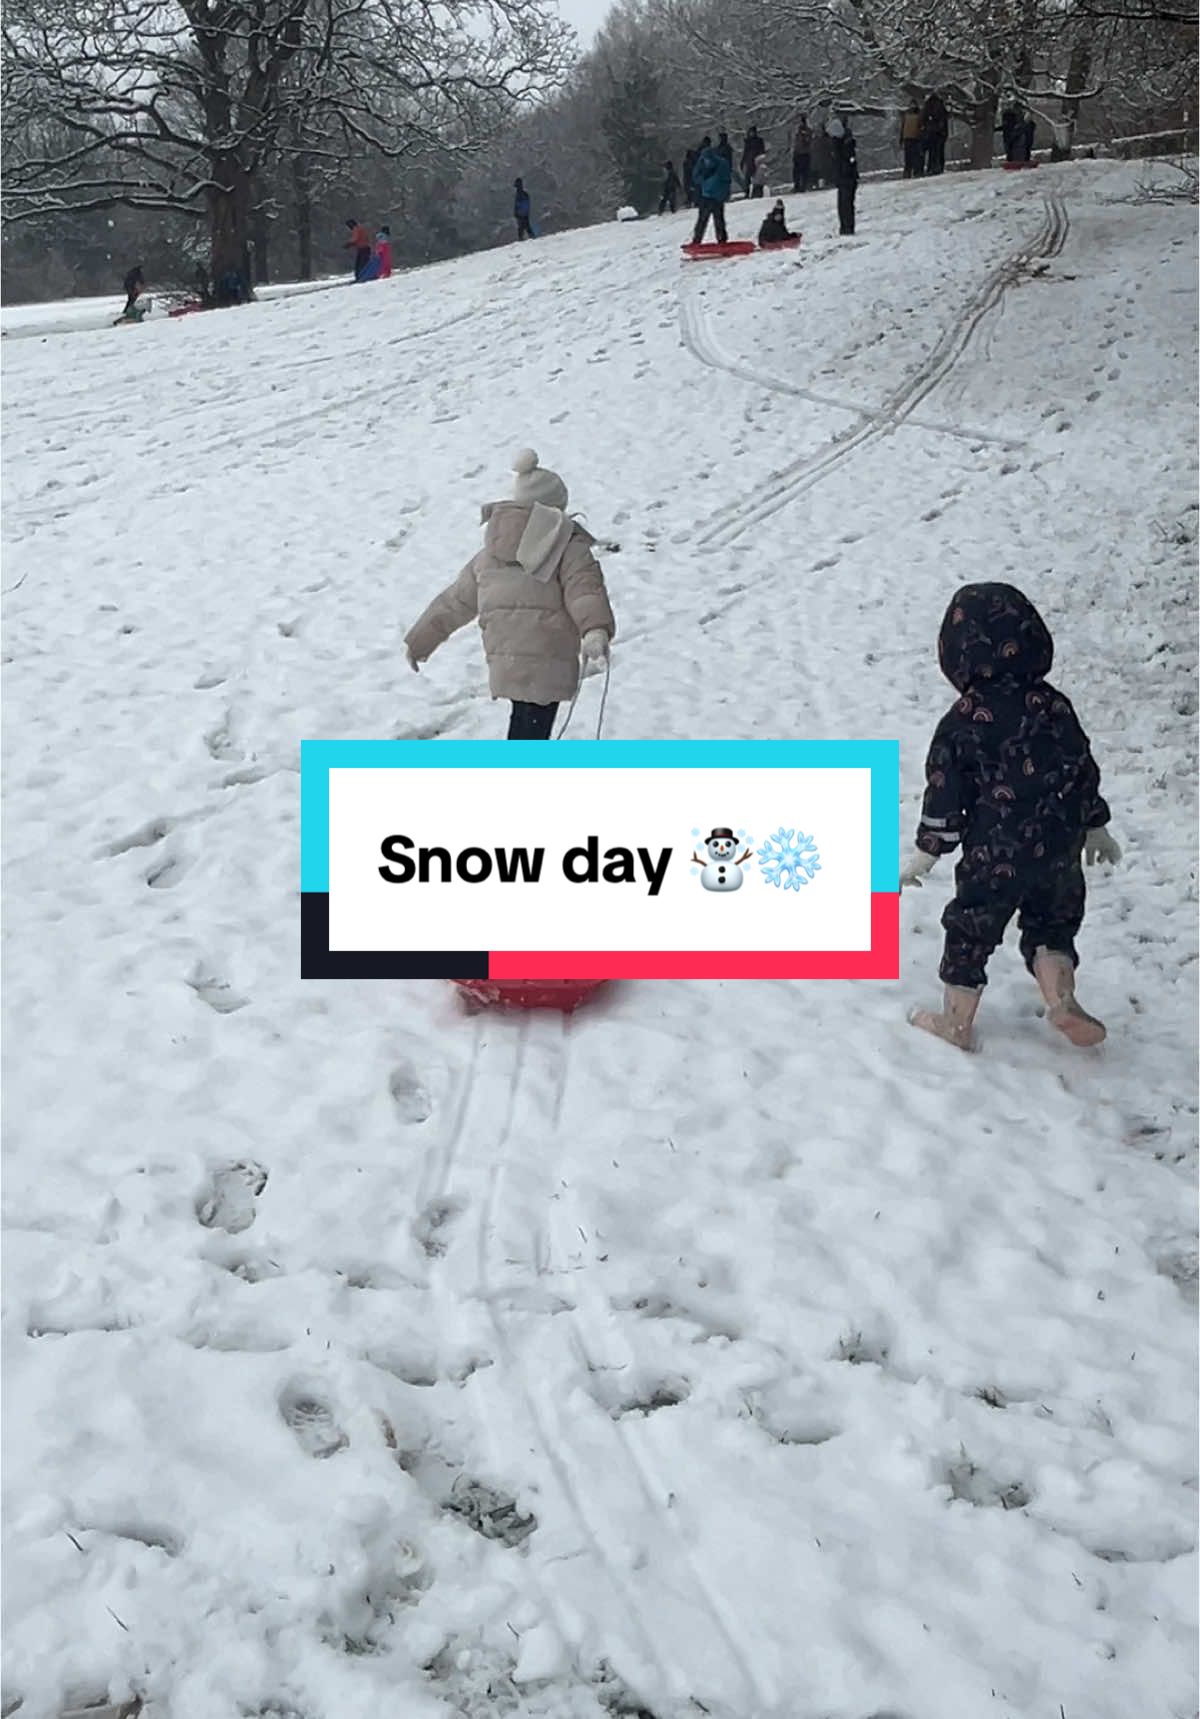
[538, 594]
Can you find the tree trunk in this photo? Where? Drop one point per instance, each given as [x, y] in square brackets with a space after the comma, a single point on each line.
[262, 242]
[1078, 72]
[229, 221]
[300, 182]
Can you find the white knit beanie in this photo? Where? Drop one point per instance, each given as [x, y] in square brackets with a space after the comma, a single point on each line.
[535, 483]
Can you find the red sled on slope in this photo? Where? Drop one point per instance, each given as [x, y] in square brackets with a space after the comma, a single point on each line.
[731, 248]
[562, 994]
[1019, 166]
[791, 244]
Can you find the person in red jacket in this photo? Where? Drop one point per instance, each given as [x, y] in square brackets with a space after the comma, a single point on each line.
[383, 250]
[360, 243]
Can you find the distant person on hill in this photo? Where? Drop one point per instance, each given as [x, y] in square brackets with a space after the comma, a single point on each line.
[134, 286]
[759, 177]
[230, 290]
[802, 145]
[522, 210]
[383, 251]
[670, 190]
[774, 230]
[1011, 782]
[912, 141]
[752, 148]
[845, 170]
[360, 243]
[1028, 131]
[1017, 130]
[725, 151]
[822, 157]
[936, 121]
[691, 156]
[713, 179]
[538, 594]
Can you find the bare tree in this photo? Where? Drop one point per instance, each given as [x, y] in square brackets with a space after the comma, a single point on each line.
[178, 105]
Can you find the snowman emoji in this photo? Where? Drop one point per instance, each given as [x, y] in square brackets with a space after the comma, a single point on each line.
[719, 869]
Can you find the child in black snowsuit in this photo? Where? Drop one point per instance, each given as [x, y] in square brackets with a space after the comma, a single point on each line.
[670, 190]
[774, 230]
[1010, 775]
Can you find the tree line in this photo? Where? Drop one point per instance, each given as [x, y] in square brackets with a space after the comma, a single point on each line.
[239, 135]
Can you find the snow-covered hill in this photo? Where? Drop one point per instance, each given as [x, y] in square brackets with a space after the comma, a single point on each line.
[732, 1349]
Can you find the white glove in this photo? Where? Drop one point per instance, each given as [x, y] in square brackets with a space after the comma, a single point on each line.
[594, 646]
[1099, 845]
[916, 866]
[413, 664]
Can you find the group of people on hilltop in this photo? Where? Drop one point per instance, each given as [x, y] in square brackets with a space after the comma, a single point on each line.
[814, 155]
[708, 175]
[923, 133]
[372, 256]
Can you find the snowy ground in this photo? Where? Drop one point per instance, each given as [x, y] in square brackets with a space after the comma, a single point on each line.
[86, 315]
[732, 1349]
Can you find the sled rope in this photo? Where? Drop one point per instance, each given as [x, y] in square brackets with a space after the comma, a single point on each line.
[575, 701]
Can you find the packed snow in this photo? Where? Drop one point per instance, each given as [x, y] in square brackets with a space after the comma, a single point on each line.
[728, 1349]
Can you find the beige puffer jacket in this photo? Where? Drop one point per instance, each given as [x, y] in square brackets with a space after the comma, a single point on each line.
[532, 622]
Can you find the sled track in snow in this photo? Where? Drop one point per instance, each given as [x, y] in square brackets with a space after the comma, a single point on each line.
[793, 481]
[699, 341]
[476, 1113]
[654, 1492]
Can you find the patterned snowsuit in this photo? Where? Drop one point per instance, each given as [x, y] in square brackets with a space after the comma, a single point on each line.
[1010, 775]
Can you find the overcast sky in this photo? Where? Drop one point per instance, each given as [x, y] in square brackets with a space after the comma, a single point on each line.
[584, 16]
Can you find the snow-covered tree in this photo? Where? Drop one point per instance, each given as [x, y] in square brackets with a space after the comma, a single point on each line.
[179, 105]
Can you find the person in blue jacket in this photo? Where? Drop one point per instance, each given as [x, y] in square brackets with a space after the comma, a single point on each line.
[522, 210]
[712, 178]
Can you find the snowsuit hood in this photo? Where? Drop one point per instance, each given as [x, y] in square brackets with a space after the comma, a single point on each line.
[992, 633]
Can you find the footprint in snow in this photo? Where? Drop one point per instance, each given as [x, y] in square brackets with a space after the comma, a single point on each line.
[168, 873]
[408, 1095]
[613, 1394]
[220, 741]
[860, 1351]
[230, 1203]
[312, 1421]
[430, 1224]
[217, 993]
[491, 1513]
[147, 836]
[973, 1485]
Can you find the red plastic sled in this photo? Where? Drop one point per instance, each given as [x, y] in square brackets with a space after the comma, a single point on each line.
[732, 248]
[781, 244]
[1019, 166]
[563, 994]
[189, 309]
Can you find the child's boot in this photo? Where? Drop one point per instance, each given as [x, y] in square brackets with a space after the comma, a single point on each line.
[956, 1021]
[1055, 974]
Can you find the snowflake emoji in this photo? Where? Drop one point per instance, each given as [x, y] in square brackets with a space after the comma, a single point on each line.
[789, 859]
